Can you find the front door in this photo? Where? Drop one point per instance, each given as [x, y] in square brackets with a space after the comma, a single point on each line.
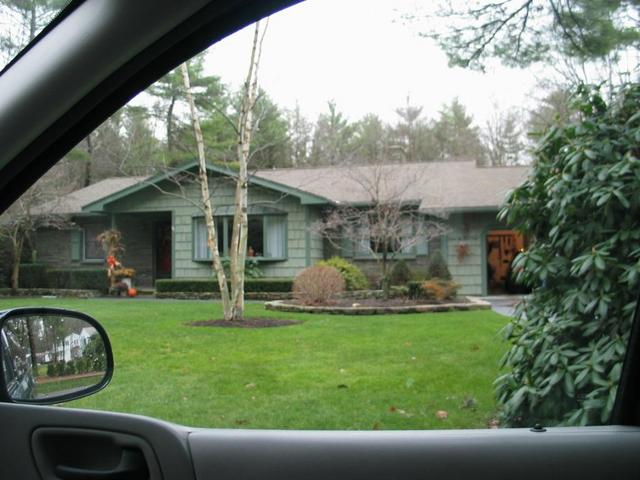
[162, 243]
[502, 247]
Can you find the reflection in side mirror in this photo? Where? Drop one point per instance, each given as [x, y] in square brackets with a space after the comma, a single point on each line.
[51, 355]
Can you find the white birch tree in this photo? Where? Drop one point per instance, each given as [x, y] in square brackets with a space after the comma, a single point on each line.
[231, 288]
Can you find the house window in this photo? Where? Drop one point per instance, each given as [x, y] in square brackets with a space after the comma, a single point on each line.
[92, 249]
[368, 244]
[201, 249]
[266, 238]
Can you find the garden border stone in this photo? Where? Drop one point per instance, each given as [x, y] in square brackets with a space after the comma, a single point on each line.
[54, 292]
[472, 303]
[216, 295]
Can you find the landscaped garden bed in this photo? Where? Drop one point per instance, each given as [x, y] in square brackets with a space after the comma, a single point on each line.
[380, 307]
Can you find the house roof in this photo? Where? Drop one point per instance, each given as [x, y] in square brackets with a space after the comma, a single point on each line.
[74, 201]
[434, 186]
[454, 185]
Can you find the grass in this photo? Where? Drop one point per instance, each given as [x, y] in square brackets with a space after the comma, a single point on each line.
[329, 372]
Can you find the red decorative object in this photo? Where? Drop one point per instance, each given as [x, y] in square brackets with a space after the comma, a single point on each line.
[132, 292]
[111, 261]
[462, 251]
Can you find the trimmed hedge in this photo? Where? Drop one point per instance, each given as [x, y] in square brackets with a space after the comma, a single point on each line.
[78, 278]
[36, 275]
[252, 285]
[33, 275]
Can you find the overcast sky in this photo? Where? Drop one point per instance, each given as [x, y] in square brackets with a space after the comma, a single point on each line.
[360, 54]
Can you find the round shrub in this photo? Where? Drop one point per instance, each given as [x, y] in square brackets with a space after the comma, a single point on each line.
[318, 285]
[437, 267]
[400, 273]
[353, 277]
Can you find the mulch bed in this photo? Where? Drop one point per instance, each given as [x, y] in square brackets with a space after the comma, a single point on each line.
[257, 322]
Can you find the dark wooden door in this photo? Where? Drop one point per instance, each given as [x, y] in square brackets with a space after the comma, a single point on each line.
[162, 239]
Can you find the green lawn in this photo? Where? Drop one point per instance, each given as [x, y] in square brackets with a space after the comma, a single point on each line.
[330, 372]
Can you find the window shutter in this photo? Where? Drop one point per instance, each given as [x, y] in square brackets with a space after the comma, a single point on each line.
[76, 245]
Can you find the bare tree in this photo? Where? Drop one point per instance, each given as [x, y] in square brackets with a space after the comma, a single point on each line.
[503, 138]
[385, 225]
[233, 297]
[24, 217]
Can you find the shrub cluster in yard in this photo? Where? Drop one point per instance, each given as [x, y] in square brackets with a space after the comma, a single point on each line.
[198, 285]
[353, 277]
[33, 275]
[318, 285]
[439, 289]
[435, 289]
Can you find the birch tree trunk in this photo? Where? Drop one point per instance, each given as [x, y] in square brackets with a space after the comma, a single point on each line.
[203, 180]
[243, 149]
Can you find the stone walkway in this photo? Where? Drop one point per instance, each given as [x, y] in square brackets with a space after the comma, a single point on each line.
[503, 304]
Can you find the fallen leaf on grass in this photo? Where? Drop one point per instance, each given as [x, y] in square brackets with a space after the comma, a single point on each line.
[494, 423]
[442, 414]
[250, 385]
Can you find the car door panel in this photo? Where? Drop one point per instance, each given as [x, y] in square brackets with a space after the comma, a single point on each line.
[39, 435]
[35, 437]
[580, 453]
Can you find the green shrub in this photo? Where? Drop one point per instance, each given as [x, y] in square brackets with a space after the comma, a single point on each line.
[59, 369]
[251, 268]
[580, 204]
[51, 370]
[414, 289]
[252, 285]
[78, 278]
[352, 275]
[70, 368]
[400, 273]
[437, 267]
[399, 291]
[33, 275]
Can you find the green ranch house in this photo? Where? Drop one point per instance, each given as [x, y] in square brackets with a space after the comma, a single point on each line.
[165, 237]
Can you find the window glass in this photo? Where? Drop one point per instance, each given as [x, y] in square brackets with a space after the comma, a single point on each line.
[482, 220]
[21, 21]
[201, 249]
[275, 236]
[255, 237]
[92, 247]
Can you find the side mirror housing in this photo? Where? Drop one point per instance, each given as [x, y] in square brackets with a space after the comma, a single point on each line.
[52, 355]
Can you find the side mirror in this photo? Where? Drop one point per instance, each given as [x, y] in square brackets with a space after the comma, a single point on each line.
[52, 355]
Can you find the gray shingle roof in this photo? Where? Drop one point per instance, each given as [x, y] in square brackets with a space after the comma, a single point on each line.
[436, 186]
[74, 201]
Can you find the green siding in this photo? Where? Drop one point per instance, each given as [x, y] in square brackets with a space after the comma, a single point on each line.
[183, 211]
[469, 228]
